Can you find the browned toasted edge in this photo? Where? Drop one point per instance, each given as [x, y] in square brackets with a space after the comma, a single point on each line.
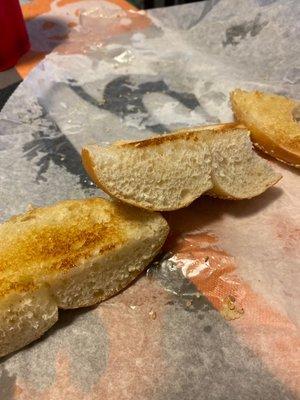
[7, 287]
[185, 133]
[264, 142]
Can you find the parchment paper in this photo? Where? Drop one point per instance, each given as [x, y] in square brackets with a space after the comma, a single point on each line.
[217, 315]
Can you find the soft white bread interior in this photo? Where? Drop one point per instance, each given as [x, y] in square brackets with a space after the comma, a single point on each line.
[73, 254]
[161, 173]
[27, 310]
[273, 122]
[170, 171]
[237, 171]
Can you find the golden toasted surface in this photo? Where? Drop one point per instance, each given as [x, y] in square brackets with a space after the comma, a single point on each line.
[186, 134]
[47, 240]
[16, 287]
[271, 120]
[163, 139]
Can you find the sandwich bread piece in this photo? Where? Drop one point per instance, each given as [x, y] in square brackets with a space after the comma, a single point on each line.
[168, 172]
[161, 173]
[72, 254]
[273, 122]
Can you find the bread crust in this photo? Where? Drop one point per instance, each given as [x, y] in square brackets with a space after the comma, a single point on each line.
[186, 133]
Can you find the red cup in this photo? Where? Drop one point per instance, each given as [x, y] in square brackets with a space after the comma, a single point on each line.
[14, 40]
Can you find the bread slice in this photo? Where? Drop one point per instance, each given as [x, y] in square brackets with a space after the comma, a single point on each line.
[272, 122]
[170, 171]
[162, 173]
[73, 254]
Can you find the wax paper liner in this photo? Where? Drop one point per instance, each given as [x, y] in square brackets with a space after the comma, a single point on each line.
[218, 317]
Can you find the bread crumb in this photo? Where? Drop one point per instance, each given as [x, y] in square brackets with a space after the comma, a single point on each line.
[229, 309]
[30, 207]
[189, 303]
[152, 314]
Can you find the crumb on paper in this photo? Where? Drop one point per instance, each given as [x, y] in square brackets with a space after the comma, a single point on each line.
[229, 309]
[30, 207]
[152, 314]
[189, 303]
